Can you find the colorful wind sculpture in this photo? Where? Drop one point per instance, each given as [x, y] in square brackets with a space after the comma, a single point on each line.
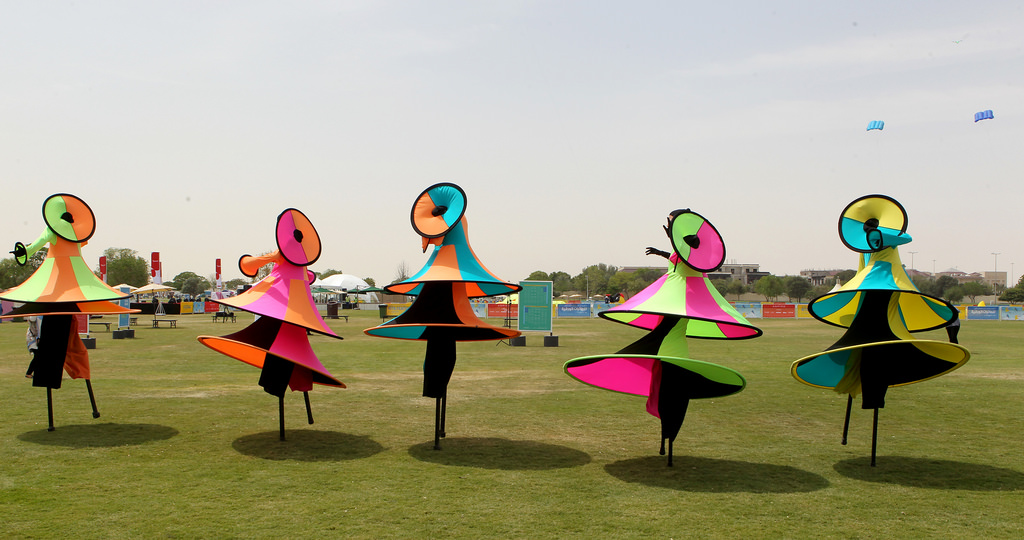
[880, 307]
[683, 303]
[278, 341]
[441, 313]
[61, 288]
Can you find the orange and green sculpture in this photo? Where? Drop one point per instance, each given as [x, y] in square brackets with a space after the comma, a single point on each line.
[441, 313]
[880, 307]
[62, 287]
[277, 342]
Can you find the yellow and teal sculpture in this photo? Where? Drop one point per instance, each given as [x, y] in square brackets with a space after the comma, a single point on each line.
[880, 307]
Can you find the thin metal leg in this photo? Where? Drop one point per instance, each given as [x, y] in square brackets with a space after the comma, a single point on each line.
[92, 399]
[437, 423]
[670, 452]
[444, 411]
[49, 407]
[280, 414]
[846, 425]
[309, 410]
[874, 438]
[662, 451]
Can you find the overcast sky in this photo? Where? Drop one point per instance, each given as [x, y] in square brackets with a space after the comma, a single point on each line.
[573, 126]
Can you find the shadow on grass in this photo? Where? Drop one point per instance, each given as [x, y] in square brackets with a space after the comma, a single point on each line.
[99, 435]
[716, 475]
[494, 453]
[932, 473]
[307, 445]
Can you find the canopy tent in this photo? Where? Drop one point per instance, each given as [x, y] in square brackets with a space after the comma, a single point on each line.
[346, 283]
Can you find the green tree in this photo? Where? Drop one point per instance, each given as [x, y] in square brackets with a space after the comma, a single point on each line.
[234, 284]
[194, 286]
[370, 281]
[13, 274]
[770, 287]
[1013, 295]
[328, 273]
[954, 293]
[974, 289]
[594, 279]
[179, 280]
[538, 275]
[797, 287]
[721, 285]
[737, 288]
[125, 266]
[560, 282]
[846, 275]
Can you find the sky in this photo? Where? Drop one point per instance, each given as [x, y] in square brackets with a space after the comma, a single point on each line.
[574, 127]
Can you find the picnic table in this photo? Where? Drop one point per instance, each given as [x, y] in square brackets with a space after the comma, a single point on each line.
[223, 316]
[105, 325]
[173, 323]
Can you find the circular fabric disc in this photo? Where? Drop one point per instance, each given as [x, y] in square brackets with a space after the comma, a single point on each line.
[69, 217]
[697, 241]
[863, 222]
[438, 209]
[297, 238]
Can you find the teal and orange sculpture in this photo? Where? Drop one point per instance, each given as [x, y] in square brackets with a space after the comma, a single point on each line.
[62, 287]
[880, 307]
[683, 303]
[277, 342]
[441, 313]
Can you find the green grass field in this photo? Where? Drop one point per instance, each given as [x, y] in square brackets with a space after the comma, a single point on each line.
[187, 445]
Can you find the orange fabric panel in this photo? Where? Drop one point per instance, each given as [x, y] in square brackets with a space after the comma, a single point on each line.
[76, 361]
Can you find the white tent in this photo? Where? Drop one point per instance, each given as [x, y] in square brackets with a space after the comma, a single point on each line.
[345, 283]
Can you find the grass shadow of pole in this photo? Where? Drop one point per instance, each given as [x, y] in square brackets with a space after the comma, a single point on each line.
[932, 473]
[100, 435]
[708, 475]
[496, 453]
[307, 445]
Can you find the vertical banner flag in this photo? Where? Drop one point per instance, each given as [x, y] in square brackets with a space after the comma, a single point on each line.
[155, 268]
[103, 268]
[218, 284]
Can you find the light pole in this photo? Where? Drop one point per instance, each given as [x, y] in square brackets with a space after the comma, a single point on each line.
[912, 260]
[933, 267]
[995, 267]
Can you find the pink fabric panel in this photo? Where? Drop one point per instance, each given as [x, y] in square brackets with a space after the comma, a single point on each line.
[711, 247]
[699, 302]
[292, 343]
[628, 375]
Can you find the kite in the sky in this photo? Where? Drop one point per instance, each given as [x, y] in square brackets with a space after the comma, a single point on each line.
[62, 288]
[983, 115]
[876, 124]
[683, 303]
[880, 307]
[441, 313]
[278, 341]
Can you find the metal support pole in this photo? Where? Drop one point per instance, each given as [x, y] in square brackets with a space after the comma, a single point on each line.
[92, 399]
[280, 414]
[309, 410]
[846, 425]
[437, 423]
[49, 407]
[874, 438]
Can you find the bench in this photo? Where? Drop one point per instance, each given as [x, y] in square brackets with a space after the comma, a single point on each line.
[105, 325]
[133, 321]
[172, 322]
[224, 316]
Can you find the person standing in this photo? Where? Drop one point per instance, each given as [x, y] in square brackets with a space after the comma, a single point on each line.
[32, 342]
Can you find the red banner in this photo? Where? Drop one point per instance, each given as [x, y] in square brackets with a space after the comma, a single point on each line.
[502, 310]
[103, 268]
[778, 311]
[155, 268]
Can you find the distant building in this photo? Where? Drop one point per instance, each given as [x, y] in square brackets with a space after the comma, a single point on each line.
[744, 273]
[820, 277]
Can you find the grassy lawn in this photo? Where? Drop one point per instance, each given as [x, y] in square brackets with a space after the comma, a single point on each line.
[187, 445]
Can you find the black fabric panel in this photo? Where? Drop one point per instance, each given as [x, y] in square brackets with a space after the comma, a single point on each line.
[438, 367]
[275, 375]
[53, 349]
